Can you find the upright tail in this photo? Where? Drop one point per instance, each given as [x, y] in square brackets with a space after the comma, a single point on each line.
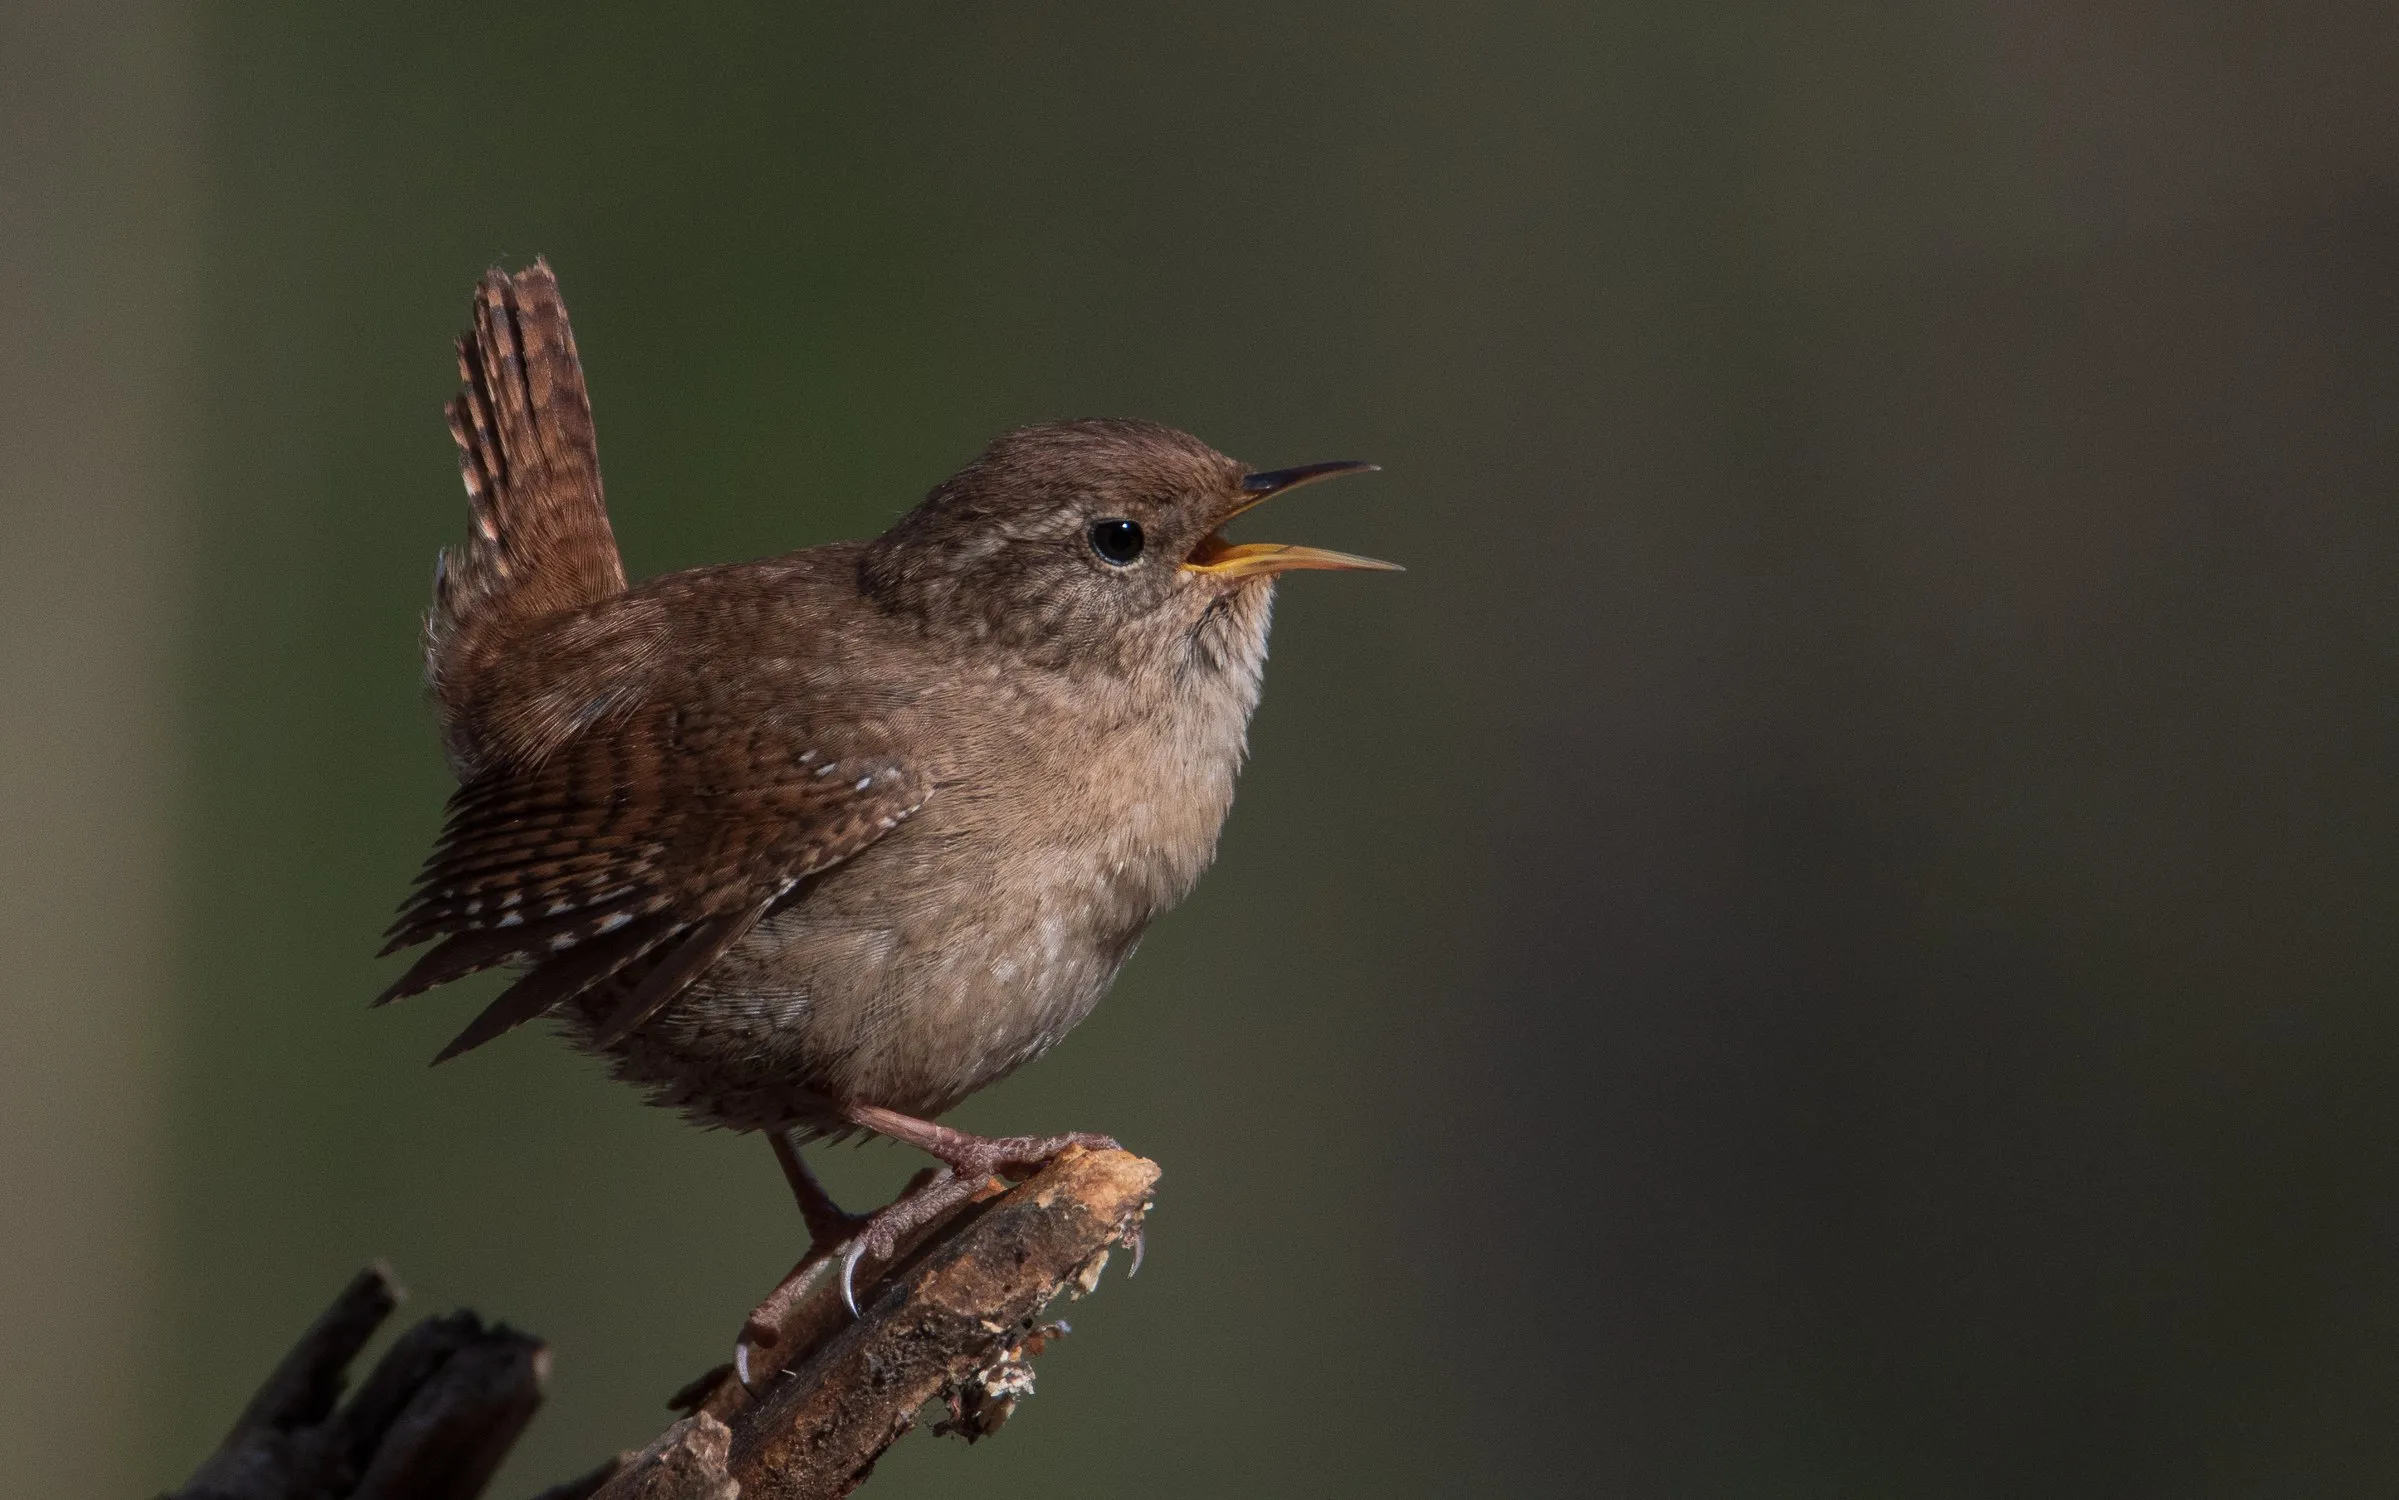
[538, 539]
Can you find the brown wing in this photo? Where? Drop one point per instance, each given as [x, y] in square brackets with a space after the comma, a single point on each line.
[589, 864]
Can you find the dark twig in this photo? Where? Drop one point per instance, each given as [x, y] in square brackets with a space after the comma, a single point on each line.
[431, 1422]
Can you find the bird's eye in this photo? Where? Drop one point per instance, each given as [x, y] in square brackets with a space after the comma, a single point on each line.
[1118, 543]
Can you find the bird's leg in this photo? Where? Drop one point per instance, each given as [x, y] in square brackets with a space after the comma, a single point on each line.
[830, 1226]
[831, 1229]
[1014, 1156]
[968, 1161]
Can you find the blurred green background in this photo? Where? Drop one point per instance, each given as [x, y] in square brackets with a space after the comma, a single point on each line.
[1833, 936]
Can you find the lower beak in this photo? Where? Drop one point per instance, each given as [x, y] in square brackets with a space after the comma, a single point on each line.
[1226, 559]
[1214, 555]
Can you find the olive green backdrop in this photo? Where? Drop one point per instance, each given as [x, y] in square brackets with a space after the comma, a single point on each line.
[1833, 936]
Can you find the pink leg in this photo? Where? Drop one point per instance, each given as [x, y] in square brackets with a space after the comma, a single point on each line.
[830, 1230]
[829, 1225]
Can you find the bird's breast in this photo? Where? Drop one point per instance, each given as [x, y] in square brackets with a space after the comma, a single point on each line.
[1064, 820]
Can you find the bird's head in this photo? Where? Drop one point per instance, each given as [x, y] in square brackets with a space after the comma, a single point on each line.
[1099, 543]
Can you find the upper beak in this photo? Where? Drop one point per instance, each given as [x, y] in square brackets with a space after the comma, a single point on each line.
[1226, 559]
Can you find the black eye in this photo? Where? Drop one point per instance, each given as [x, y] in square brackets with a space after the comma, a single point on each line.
[1117, 542]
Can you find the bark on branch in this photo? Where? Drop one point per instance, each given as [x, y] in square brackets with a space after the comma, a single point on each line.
[955, 1317]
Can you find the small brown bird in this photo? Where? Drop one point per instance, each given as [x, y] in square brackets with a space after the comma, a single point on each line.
[827, 842]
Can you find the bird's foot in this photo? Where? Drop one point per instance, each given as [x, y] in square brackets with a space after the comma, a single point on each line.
[911, 1211]
[1013, 1156]
[759, 1348]
[969, 1161]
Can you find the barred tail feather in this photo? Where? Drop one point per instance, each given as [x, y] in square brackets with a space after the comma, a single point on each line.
[538, 540]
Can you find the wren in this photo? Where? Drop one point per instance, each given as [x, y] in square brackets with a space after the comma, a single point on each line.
[825, 843]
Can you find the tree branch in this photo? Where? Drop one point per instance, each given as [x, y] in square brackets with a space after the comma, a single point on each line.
[953, 1318]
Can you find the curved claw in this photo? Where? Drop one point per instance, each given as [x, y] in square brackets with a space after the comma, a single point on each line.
[886, 1233]
[849, 1266]
[1140, 1241]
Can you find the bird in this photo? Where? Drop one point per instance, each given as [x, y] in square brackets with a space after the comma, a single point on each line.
[824, 843]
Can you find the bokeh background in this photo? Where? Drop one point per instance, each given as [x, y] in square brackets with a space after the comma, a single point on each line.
[1833, 936]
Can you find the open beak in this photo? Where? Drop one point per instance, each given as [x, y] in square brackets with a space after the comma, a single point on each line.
[1223, 559]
